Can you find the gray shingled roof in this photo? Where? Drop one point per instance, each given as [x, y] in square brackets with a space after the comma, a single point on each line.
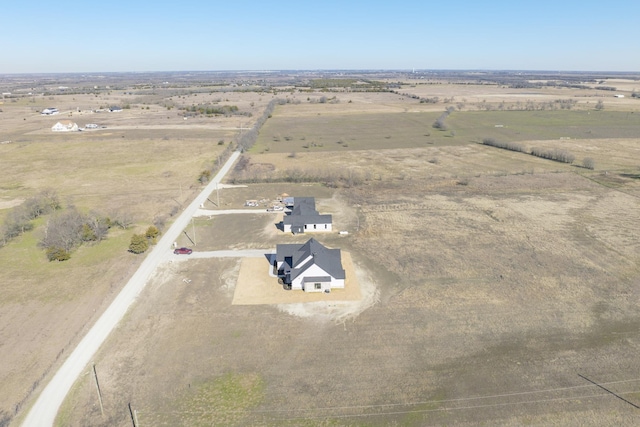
[327, 259]
[301, 220]
[304, 212]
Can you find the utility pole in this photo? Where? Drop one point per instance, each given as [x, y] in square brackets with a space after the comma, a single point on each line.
[217, 194]
[134, 416]
[95, 376]
[193, 227]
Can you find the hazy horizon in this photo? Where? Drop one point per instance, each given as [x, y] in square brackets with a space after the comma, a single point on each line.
[75, 37]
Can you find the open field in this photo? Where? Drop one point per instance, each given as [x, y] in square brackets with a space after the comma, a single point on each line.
[494, 297]
[492, 278]
[139, 165]
[502, 278]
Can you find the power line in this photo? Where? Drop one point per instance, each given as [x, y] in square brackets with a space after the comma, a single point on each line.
[609, 391]
[462, 399]
[416, 411]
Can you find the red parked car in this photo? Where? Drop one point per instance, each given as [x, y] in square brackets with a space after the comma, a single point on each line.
[182, 251]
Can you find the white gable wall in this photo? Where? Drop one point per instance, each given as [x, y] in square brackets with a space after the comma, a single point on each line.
[314, 271]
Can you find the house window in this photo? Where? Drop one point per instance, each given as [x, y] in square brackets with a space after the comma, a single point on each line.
[318, 285]
[325, 226]
[314, 226]
[305, 226]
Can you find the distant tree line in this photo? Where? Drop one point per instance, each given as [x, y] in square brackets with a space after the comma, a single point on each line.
[512, 146]
[211, 110]
[356, 85]
[558, 155]
[246, 173]
[440, 121]
[247, 139]
[555, 154]
[244, 141]
[529, 105]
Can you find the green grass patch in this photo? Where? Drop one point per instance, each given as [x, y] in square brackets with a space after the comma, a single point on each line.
[56, 281]
[89, 254]
[221, 401]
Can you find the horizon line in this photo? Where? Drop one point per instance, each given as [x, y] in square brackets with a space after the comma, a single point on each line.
[350, 70]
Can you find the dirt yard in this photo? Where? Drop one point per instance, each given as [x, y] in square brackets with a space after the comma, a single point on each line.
[256, 285]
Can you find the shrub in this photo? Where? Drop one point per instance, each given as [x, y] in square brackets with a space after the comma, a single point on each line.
[588, 163]
[139, 244]
[205, 176]
[88, 234]
[55, 253]
[152, 234]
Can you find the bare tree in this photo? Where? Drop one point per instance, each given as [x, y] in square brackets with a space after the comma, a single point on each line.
[122, 218]
[64, 230]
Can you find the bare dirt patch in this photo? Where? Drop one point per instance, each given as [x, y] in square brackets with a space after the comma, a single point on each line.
[256, 285]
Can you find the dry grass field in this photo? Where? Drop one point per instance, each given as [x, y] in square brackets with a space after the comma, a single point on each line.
[501, 279]
[145, 162]
[491, 279]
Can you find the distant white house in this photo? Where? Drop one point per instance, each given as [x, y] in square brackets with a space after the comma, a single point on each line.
[304, 217]
[115, 109]
[309, 267]
[49, 111]
[618, 95]
[91, 126]
[65, 126]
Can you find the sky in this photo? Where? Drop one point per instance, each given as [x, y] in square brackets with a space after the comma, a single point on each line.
[192, 35]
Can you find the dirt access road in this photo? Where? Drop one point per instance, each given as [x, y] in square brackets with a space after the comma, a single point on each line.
[44, 411]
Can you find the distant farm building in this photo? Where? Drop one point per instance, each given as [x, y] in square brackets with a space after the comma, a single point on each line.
[115, 109]
[619, 96]
[309, 267]
[65, 126]
[49, 111]
[304, 217]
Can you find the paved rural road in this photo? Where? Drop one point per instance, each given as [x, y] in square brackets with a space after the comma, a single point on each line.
[43, 412]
